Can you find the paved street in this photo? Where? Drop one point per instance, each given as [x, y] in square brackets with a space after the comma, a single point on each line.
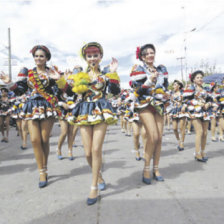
[193, 192]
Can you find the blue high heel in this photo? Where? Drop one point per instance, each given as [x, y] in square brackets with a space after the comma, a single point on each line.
[137, 153]
[179, 148]
[92, 201]
[70, 157]
[157, 178]
[201, 159]
[60, 157]
[43, 184]
[102, 186]
[144, 179]
[204, 157]
[23, 148]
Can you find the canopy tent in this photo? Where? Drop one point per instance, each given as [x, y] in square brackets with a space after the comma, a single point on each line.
[218, 77]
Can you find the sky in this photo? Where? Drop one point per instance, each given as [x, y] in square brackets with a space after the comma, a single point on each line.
[193, 29]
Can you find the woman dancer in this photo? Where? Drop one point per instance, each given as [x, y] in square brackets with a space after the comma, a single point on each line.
[22, 124]
[199, 103]
[150, 88]
[67, 129]
[94, 112]
[215, 94]
[41, 108]
[5, 111]
[178, 113]
[220, 112]
[137, 127]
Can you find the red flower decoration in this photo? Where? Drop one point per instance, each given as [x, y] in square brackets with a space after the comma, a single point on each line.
[137, 52]
[130, 83]
[190, 76]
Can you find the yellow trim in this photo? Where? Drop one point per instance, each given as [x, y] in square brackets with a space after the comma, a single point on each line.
[113, 76]
[61, 83]
[136, 94]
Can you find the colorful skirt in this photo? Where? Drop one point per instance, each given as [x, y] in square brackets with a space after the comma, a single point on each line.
[198, 112]
[38, 109]
[176, 113]
[91, 113]
[17, 110]
[145, 100]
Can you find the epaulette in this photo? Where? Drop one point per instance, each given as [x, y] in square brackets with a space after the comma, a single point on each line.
[137, 73]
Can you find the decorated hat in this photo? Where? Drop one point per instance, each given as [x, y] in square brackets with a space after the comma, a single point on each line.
[43, 48]
[91, 47]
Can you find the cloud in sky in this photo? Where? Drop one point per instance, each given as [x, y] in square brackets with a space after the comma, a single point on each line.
[120, 26]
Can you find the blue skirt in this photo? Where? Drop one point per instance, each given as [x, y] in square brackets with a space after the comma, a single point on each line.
[91, 113]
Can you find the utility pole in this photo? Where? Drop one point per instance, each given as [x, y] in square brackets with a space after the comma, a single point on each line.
[181, 64]
[9, 54]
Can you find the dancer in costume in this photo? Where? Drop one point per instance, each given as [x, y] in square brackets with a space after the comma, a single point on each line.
[94, 113]
[5, 112]
[122, 111]
[178, 113]
[198, 104]
[150, 89]
[41, 108]
[220, 113]
[127, 115]
[215, 95]
[67, 129]
[137, 127]
[22, 124]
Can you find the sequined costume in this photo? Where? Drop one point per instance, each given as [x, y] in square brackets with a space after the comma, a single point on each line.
[43, 101]
[195, 100]
[154, 92]
[177, 105]
[94, 108]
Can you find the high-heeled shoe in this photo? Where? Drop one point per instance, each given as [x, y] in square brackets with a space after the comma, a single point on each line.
[144, 179]
[60, 157]
[43, 184]
[91, 201]
[157, 178]
[204, 156]
[179, 148]
[70, 156]
[200, 159]
[102, 186]
[23, 148]
[138, 158]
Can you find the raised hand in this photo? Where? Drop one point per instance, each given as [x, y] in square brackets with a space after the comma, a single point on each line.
[113, 65]
[67, 73]
[5, 78]
[54, 73]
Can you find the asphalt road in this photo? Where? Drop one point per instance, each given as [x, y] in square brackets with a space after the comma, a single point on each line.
[193, 192]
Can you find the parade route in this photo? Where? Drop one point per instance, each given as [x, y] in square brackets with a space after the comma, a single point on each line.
[191, 194]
